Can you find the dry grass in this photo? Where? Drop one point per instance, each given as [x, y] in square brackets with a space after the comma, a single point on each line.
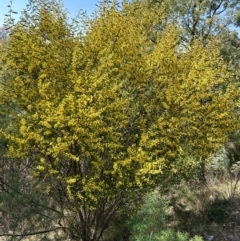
[210, 208]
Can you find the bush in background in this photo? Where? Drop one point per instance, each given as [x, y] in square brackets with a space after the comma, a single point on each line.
[149, 222]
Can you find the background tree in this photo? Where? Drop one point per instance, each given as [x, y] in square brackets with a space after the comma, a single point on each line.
[202, 19]
[103, 114]
[3, 34]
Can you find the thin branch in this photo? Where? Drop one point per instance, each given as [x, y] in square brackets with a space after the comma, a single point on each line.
[29, 199]
[33, 233]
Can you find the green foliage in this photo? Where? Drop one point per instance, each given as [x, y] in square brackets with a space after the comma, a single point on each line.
[237, 18]
[150, 218]
[219, 165]
[225, 163]
[171, 235]
[148, 223]
[202, 19]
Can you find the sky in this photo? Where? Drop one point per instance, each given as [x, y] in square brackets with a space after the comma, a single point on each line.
[72, 6]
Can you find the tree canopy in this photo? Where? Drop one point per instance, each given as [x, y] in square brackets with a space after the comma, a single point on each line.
[201, 19]
[106, 111]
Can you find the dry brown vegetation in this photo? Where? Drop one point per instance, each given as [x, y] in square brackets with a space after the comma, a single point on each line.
[209, 209]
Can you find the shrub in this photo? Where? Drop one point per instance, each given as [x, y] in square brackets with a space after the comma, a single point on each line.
[148, 223]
